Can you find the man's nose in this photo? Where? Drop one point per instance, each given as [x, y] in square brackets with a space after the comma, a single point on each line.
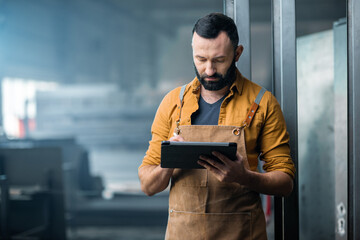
[210, 69]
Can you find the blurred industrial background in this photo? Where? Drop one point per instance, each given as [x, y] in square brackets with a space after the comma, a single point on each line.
[81, 81]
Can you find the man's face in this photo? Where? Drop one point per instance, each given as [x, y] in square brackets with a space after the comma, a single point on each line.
[214, 61]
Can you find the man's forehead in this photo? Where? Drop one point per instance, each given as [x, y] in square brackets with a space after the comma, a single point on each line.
[221, 42]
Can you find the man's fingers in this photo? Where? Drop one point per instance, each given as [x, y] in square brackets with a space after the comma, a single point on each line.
[177, 138]
[217, 167]
[210, 167]
[221, 157]
[210, 161]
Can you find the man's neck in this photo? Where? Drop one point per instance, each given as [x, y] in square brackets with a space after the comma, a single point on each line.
[213, 96]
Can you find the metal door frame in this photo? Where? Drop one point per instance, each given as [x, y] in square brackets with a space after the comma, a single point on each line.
[284, 67]
[353, 20]
[239, 11]
[285, 90]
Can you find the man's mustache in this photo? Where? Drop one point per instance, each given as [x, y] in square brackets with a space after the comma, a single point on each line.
[215, 75]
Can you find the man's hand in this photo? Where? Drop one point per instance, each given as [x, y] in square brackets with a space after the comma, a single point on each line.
[226, 170]
[154, 178]
[177, 138]
[238, 171]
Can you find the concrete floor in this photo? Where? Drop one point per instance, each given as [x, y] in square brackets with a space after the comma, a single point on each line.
[109, 220]
[129, 233]
[117, 233]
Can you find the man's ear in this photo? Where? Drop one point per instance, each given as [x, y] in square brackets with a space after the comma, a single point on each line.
[239, 50]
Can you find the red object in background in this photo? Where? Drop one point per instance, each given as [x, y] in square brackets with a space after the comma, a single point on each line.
[31, 127]
[268, 208]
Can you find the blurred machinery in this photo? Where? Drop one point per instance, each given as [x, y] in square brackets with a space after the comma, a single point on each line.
[42, 183]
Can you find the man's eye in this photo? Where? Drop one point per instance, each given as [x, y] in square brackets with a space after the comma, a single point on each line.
[202, 60]
[219, 61]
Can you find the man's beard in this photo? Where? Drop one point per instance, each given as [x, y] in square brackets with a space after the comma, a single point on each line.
[222, 81]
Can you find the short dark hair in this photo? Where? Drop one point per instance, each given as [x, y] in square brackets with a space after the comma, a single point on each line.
[211, 25]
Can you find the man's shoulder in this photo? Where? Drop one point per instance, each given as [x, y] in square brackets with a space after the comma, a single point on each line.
[251, 91]
[174, 94]
[251, 88]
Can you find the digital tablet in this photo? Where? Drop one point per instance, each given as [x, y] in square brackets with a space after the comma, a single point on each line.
[186, 154]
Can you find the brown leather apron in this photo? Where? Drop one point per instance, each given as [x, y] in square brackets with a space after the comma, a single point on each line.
[202, 207]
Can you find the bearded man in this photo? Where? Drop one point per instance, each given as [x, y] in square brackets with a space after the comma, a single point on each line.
[220, 105]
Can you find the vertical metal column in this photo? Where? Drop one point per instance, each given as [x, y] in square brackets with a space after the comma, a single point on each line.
[3, 16]
[229, 8]
[353, 19]
[239, 10]
[4, 201]
[340, 130]
[285, 90]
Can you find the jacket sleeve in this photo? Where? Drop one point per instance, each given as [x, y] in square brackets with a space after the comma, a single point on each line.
[160, 130]
[274, 140]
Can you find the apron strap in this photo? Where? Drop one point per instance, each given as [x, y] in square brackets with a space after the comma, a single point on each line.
[181, 95]
[178, 109]
[254, 107]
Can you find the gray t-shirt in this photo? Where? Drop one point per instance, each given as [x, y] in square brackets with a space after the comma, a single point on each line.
[207, 114]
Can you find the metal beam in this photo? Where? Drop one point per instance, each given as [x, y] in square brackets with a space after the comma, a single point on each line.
[229, 8]
[242, 20]
[239, 10]
[285, 90]
[340, 131]
[353, 19]
[4, 200]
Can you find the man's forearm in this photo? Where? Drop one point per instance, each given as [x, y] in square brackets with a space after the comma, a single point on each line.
[272, 183]
[154, 179]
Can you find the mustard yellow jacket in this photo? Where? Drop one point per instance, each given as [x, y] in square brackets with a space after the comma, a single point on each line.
[266, 137]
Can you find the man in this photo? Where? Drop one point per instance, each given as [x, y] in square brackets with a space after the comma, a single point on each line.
[219, 105]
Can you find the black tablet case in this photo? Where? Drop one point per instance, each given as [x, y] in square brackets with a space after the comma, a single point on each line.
[186, 154]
